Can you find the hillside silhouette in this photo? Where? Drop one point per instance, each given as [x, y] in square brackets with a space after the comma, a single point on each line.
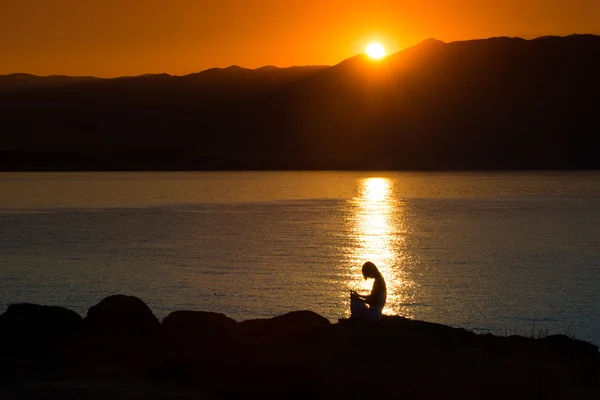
[499, 103]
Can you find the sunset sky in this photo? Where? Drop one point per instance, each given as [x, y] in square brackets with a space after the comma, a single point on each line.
[131, 37]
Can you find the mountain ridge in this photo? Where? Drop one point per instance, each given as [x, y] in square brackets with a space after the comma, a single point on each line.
[498, 103]
[234, 67]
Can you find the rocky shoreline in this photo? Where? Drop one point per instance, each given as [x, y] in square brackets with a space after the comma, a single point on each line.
[121, 350]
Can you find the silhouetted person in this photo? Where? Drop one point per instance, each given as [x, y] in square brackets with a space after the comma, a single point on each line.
[369, 307]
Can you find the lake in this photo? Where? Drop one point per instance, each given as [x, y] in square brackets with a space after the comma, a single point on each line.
[501, 252]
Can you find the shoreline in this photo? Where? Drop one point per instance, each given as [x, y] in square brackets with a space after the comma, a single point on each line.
[121, 348]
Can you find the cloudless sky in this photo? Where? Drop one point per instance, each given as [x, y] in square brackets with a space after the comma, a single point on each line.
[132, 37]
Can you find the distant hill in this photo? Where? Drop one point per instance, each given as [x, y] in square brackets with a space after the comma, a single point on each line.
[22, 81]
[499, 103]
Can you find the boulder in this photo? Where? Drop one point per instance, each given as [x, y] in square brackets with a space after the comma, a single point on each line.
[201, 349]
[285, 357]
[127, 315]
[566, 347]
[296, 355]
[268, 329]
[36, 330]
[119, 330]
[199, 336]
[397, 338]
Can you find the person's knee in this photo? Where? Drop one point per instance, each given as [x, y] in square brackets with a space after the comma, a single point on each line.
[358, 309]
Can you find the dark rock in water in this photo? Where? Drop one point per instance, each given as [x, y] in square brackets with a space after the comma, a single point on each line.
[34, 329]
[284, 356]
[200, 348]
[33, 338]
[199, 335]
[566, 347]
[267, 329]
[296, 355]
[415, 359]
[126, 314]
[119, 330]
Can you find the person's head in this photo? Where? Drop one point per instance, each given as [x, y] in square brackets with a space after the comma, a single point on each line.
[369, 270]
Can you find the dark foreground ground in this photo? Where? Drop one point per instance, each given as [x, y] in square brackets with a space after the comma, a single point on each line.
[121, 351]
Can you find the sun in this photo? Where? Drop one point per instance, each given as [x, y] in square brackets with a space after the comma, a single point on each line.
[375, 51]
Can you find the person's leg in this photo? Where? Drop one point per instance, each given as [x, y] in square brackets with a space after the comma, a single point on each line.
[358, 310]
[373, 314]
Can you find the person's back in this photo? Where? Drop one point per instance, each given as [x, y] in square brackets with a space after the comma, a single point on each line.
[378, 295]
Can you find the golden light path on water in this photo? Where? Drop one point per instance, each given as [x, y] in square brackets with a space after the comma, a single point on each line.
[378, 228]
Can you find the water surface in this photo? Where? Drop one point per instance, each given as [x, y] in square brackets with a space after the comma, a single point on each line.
[499, 252]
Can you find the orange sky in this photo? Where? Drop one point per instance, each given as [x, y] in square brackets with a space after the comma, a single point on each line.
[131, 37]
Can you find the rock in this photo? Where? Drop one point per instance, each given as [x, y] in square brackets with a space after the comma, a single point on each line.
[296, 334]
[33, 338]
[199, 335]
[566, 347]
[202, 349]
[397, 338]
[283, 357]
[270, 328]
[36, 330]
[126, 314]
[296, 355]
[119, 330]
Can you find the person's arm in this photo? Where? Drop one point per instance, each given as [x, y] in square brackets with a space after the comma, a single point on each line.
[356, 296]
[369, 299]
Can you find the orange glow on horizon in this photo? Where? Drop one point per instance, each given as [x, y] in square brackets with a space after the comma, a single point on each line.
[134, 37]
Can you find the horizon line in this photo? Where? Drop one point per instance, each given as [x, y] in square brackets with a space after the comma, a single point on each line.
[272, 66]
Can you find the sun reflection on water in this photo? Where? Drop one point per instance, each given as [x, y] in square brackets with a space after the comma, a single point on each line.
[378, 230]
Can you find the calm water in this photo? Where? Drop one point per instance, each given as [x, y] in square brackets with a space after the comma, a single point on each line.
[498, 252]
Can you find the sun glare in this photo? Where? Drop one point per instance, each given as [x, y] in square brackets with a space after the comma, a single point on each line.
[375, 51]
